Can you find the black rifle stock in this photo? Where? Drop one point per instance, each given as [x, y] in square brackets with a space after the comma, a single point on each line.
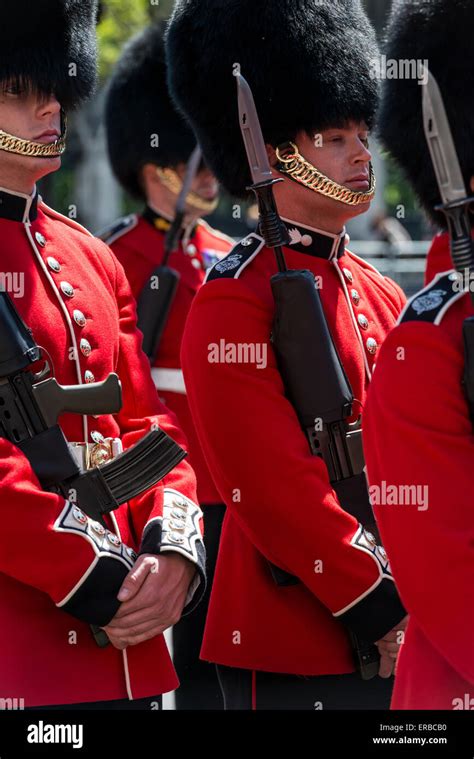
[154, 306]
[319, 391]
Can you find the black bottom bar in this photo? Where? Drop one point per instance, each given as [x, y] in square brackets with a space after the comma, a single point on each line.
[320, 734]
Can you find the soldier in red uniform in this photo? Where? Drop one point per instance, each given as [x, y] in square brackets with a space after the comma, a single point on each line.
[418, 434]
[308, 65]
[152, 171]
[59, 569]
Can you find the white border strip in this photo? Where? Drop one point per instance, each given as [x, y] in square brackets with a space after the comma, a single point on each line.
[168, 379]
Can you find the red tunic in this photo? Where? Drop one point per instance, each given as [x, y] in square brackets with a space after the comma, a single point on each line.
[418, 434]
[71, 291]
[439, 257]
[281, 506]
[138, 243]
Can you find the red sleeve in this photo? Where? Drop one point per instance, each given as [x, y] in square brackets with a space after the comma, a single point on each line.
[439, 257]
[418, 434]
[398, 296]
[277, 491]
[48, 543]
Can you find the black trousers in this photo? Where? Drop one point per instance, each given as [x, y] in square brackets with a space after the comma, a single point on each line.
[139, 704]
[199, 687]
[247, 689]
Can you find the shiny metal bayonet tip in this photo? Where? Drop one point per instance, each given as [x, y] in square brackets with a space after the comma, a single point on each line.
[252, 133]
[440, 142]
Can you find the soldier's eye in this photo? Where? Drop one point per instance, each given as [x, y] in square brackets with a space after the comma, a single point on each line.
[13, 89]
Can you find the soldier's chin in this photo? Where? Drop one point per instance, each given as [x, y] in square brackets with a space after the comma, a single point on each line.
[35, 164]
[207, 197]
[202, 203]
[50, 160]
[43, 166]
[357, 210]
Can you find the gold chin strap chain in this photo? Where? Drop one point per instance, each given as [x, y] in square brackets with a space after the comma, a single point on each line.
[34, 149]
[292, 163]
[173, 183]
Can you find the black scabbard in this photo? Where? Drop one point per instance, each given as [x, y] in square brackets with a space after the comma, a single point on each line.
[318, 389]
[154, 306]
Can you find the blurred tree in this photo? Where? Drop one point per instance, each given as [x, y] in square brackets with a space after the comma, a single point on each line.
[120, 20]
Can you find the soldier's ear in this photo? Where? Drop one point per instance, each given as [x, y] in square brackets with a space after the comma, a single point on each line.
[149, 178]
[148, 172]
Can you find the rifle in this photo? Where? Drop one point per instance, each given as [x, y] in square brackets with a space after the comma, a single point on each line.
[314, 378]
[456, 206]
[29, 409]
[154, 306]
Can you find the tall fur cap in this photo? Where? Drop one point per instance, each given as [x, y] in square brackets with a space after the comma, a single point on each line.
[308, 62]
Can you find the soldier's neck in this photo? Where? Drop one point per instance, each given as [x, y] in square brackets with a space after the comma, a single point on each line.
[16, 181]
[327, 220]
[165, 205]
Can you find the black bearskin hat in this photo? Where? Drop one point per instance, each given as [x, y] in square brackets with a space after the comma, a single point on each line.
[50, 46]
[309, 64]
[440, 33]
[142, 123]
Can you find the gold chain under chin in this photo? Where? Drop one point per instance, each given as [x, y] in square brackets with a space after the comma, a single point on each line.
[17, 145]
[292, 163]
[173, 183]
